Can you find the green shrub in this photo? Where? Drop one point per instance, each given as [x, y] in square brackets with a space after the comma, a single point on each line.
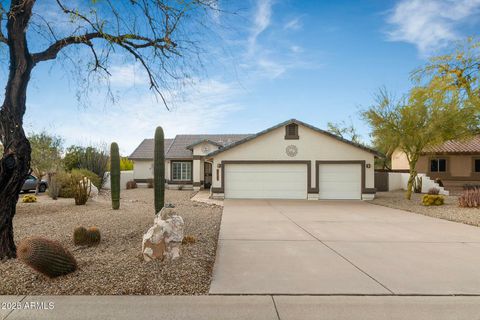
[65, 181]
[432, 200]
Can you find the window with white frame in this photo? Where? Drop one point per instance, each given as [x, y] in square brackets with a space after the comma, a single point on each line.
[181, 171]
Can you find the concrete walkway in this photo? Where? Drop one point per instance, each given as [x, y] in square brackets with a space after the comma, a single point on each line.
[342, 247]
[204, 197]
[240, 307]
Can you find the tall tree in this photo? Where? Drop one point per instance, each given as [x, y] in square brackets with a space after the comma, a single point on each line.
[345, 131]
[46, 154]
[158, 34]
[427, 117]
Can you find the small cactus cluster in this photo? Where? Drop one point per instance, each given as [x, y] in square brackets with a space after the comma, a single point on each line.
[29, 198]
[189, 240]
[115, 175]
[86, 237]
[46, 256]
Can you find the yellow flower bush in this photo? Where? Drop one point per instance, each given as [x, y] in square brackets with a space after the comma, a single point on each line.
[432, 200]
[29, 198]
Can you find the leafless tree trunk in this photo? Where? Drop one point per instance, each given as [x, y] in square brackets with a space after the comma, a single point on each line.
[15, 163]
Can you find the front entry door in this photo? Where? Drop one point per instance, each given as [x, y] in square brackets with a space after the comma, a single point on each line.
[208, 175]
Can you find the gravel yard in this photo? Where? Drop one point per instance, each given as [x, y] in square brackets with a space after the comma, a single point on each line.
[449, 211]
[115, 267]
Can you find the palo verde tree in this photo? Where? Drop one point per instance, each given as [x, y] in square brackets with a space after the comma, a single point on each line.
[161, 36]
[428, 116]
[46, 154]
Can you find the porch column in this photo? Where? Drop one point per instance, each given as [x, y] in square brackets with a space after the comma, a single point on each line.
[196, 174]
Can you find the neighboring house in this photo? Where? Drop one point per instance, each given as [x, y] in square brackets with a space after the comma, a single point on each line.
[292, 160]
[455, 163]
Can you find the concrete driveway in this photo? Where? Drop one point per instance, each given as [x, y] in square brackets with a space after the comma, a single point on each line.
[342, 247]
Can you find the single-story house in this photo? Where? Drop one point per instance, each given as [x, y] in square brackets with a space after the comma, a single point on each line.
[455, 163]
[291, 160]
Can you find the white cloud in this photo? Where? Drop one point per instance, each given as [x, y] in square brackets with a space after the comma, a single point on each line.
[201, 108]
[127, 75]
[294, 24]
[296, 49]
[430, 24]
[261, 21]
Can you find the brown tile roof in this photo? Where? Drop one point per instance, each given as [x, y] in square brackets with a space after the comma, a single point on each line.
[471, 145]
[145, 150]
[179, 147]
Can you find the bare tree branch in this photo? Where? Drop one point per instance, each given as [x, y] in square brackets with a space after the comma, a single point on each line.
[2, 36]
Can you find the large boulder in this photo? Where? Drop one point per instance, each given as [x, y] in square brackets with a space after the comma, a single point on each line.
[153, 245]
[164, 238]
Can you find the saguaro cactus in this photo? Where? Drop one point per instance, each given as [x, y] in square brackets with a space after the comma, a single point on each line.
[159, 169]
[46, 256]
[115, 175]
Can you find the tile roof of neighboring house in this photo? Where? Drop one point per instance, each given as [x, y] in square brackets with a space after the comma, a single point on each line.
[471, 145]
[145, 150]
[282, 124]
[179, 148]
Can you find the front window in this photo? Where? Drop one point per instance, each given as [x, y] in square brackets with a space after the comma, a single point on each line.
[438, 165]
[477, 165]
[182, 171]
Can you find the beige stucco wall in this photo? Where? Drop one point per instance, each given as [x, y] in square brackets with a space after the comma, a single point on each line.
[399, 160]
[311, 146]
[143, 169]
[457, 165]
[461, 166]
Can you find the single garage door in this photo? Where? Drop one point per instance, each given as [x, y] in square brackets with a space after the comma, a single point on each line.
[340, 181]
[265, 181]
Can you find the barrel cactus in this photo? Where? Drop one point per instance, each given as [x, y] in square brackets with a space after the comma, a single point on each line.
[93, 236]
[115, 175]
[80, 236]
[159, 169]
[47, 257]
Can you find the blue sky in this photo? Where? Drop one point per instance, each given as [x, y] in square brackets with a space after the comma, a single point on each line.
[317, 61]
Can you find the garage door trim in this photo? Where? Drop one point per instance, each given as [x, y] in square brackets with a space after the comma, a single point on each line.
[306, 162]
[362, 163]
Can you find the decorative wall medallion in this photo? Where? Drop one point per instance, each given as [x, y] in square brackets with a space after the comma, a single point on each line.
[291, 150]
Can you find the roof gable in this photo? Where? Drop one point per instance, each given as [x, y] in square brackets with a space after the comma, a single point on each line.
[285, 123]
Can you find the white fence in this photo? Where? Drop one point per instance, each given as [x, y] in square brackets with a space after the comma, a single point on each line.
[125, 176]
[399, 181]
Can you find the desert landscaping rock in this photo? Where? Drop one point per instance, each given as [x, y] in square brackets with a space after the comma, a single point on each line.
[449, 211]
[116, 266]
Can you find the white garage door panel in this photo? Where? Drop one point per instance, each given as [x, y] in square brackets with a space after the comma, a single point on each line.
[266, 181]
[340, 181]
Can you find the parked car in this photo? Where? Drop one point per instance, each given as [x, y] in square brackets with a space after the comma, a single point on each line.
[31, 184]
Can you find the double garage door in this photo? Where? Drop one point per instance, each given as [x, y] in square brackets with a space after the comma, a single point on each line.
[289, 181]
